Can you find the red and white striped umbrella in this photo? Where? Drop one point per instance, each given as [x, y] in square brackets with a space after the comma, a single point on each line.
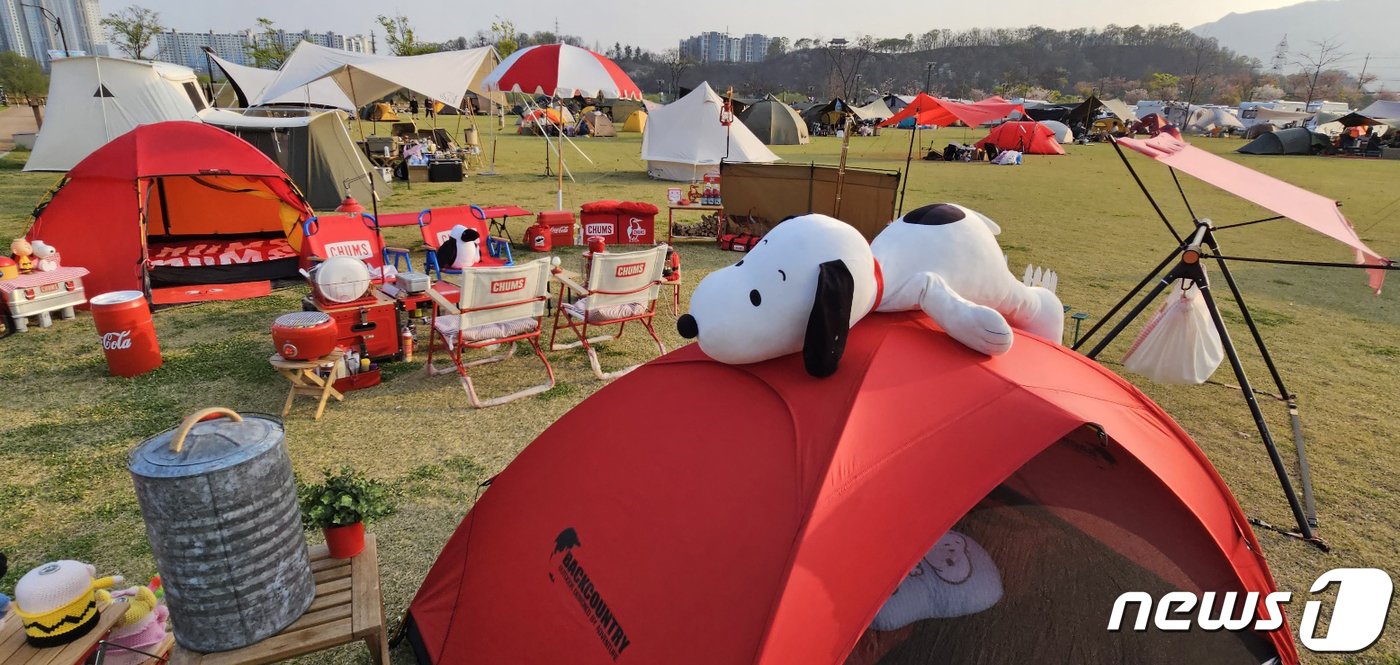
[560, 70]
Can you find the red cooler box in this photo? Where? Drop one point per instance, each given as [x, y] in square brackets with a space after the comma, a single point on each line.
[619, 222]
[561, 226]
[128, 334]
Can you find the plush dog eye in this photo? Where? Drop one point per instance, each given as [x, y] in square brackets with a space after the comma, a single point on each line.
[741, 262]
[755, 298]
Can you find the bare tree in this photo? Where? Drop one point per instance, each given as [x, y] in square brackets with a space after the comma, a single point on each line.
[846, 60]
[676, 63]
[133, 29]
[1327, 53]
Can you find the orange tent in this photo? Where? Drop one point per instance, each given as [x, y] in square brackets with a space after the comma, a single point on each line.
[1031, 138]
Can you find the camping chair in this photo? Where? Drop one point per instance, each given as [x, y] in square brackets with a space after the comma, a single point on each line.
[500, 305]
[355, 235]
[436, 224]
[621, 288]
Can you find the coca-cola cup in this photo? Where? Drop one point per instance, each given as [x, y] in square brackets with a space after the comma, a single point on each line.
[127, 332]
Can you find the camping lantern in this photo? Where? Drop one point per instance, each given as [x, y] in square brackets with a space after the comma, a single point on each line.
[350, 205]
[726, 112]
[220, 506]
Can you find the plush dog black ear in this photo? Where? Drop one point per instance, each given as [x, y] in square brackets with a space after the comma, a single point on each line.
[830, 320]
[447, 253]
[470, 235]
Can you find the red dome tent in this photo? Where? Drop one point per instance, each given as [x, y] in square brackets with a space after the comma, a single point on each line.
[772, 516]
[1031, 138]
[179, 202]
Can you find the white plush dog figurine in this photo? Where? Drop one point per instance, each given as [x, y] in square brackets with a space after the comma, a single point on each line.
[461, 249]
[813, 277]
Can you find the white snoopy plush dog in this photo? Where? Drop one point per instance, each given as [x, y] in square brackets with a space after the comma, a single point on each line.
[813, 277]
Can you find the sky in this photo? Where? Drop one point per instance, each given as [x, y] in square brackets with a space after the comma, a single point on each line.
[658, 24]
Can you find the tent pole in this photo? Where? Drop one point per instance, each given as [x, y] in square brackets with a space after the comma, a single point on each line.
[359, 117]
[1274, 458]
[560, 104]
[841, 167]
[1289, 398]
[1131, 294]
[1182, 191]
[1146, 193]
[908, 159]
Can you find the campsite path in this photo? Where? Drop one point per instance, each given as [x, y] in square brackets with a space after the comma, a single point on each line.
[14, 119]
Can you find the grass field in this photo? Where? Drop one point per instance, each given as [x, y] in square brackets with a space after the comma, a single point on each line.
[67, 426]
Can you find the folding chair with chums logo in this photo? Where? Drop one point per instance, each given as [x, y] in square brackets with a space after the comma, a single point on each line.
[495, 306]
[621, 288]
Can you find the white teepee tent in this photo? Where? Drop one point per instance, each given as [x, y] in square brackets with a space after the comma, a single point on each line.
[93, 100]
[684, 140]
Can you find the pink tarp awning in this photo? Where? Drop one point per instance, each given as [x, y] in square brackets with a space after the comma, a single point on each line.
[943, 112]
[1314, 211]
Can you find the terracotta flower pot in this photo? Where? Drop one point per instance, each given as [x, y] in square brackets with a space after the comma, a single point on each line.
[345, 542]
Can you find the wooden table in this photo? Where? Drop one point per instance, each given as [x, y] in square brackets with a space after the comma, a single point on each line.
[348, 608]
[15, 651]
[305, 381]
[671, 222]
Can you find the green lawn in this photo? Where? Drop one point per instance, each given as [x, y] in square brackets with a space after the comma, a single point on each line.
[67, 426]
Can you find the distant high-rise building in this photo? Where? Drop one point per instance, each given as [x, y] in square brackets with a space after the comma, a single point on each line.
[720, 47]
[25, 29]
[187, 48]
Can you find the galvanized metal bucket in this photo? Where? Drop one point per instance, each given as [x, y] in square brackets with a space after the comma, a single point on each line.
[220, 506]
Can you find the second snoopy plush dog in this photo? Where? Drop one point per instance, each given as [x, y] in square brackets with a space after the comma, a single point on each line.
[813, 277]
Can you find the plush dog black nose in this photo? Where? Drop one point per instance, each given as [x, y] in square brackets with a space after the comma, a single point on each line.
[687, 326]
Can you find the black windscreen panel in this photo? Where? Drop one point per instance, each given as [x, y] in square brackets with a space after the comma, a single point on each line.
[196, 97]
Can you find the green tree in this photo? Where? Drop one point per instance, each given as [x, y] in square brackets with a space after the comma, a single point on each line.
[1164, 85]
[507, 37]
[21, 76]
[133, 29]
[266, 50]
[398, 34]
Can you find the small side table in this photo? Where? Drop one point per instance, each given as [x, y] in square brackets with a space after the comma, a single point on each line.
[348, 608]
[305, 381]
[15, 651]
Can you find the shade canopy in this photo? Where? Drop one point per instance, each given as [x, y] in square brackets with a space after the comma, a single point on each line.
[561, 70]
[446, 76]
[927, 110]
[250, 82]
[1382, 109]
[1314, 211]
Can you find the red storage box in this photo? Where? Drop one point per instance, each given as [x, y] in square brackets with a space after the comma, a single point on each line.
[561, 226]
[620, 223]
[738, 242]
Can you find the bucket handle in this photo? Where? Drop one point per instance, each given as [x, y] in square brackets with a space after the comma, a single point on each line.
[178, 441]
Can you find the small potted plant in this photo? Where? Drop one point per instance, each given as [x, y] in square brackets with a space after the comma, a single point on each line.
[341, 505]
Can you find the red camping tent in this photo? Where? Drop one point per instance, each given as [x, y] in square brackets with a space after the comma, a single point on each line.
[774, 514]
[181, 202]
[1031, 138]
[944, 112]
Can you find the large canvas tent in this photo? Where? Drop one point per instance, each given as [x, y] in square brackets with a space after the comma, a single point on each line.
[614, 545]
[775, 123]
[1382, 110]
[446, 76]
[93, 100]
[315, 150]
[248, 84]
[1290, 141]
[1031, 138]
[1207, 119]
[1062, 132]
[877, 109]
[684, 139]
[174, 203]
[833, 112]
